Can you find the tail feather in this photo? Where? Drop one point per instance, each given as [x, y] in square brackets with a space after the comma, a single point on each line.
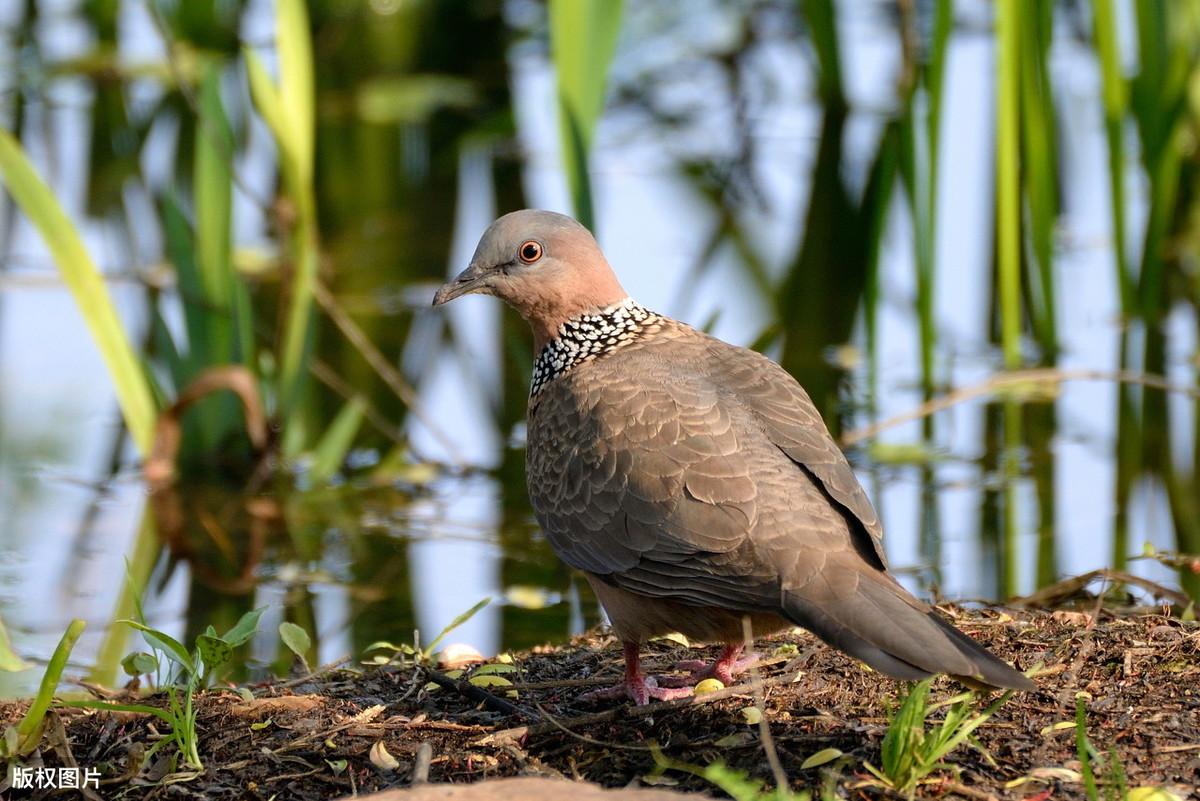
[886, 628]
[993, 671]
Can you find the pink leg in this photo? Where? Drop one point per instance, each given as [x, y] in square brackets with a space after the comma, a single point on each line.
[635, 685]
[727, 667]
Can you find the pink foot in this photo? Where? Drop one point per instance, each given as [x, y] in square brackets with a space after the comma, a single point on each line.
[636, 685]
[725, 669]
[639, 690]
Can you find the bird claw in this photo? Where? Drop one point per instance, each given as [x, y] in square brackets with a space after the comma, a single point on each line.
[640, 691]
[721, 670]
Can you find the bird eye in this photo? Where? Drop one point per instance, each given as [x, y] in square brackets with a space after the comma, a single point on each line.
[530, 252]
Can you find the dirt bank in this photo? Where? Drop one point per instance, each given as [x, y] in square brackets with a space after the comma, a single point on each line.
[327, 737]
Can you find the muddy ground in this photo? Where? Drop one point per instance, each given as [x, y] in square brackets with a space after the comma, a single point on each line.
[359, 729]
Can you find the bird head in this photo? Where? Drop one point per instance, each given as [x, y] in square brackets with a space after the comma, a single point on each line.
[545, 265]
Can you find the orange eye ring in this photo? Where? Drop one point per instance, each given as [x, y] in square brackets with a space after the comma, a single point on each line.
[530, 251]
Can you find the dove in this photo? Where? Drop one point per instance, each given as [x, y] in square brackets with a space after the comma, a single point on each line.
[693, 482]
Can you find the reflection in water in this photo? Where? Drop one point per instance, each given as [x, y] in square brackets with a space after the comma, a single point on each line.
[737, 186]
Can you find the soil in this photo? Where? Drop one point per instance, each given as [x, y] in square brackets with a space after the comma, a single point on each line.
[353, 730]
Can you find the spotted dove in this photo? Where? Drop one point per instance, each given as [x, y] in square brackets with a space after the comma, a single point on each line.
[693, 482]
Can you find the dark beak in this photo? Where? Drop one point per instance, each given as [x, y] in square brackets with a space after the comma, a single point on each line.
[472, 279]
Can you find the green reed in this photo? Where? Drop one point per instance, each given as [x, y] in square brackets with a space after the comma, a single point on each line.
[86, 284]
[289, 111]
[583, 36]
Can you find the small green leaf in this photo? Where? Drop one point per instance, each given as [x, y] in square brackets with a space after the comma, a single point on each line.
[245, 694]
[492, 680]
[165, 643]
[493, 668]
[139, 663]
[295, 638]
[262, 724]
[244, 629]
[338, 766]
[214, 651]
[822, 757]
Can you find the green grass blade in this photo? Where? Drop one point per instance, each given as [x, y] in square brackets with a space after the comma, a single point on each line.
[1083, 749]
[583, 38]
[1038, 136]
[958, 727]
[269, 104]
[904, 735]
[112, 706]
[213, 179]
[231, 328]
[1008, 201]
[335, 443]
[296, 86]
[458, 621]
[86, 285]
[1116, 104]
[821, 18]
[9, 661]
[29, 730]
[289, 112]
[917, 190]
[943, 24]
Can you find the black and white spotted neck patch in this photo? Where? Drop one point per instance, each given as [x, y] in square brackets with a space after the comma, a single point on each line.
[587, 336]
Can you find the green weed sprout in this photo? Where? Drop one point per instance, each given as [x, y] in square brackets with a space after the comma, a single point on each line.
[23, 737]
[735, 783]
[415, 651]
[910, 751]
[185, 673]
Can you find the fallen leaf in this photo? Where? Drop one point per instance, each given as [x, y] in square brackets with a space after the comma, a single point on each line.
[380, 757]
[458, 655]
[1151, 794]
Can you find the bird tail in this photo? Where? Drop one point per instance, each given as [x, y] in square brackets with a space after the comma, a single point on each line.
[891, 631]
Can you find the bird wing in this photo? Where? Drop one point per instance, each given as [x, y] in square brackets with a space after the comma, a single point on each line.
[793, 423]
[691, 470]
[643, 484]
